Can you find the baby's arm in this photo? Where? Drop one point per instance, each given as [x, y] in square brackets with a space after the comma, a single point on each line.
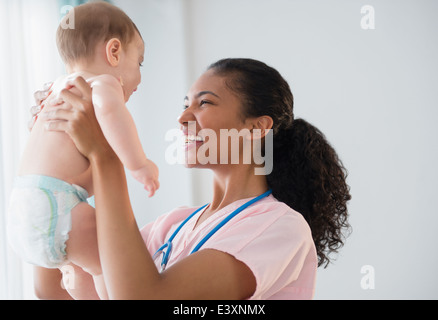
[120, 131]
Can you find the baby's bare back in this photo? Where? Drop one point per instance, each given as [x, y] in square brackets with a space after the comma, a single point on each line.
[54, 154]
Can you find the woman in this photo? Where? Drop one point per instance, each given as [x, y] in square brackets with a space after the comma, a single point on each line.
[266, 250]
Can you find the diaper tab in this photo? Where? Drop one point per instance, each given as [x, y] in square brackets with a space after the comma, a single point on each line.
[81, 193]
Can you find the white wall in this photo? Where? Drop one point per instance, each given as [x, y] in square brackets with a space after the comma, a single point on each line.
[28, 59]
[372, 92]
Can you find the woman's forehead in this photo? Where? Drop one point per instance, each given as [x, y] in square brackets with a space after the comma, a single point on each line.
[211, 83]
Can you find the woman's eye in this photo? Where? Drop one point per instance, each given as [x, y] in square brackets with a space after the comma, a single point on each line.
[203, 102]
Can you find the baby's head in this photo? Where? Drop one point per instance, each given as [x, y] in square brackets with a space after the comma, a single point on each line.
[104, 40]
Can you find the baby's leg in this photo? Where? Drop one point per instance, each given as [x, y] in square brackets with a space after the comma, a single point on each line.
[82, 249]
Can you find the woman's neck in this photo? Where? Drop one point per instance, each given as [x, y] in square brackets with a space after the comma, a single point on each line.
[229, 187]
[240, 183]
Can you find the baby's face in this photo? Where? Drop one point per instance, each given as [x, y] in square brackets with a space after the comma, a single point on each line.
[130, 64]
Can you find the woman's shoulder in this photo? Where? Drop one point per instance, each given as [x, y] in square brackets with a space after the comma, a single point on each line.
[271, 222]
[280, 214]
[268, 212]
[266, 222]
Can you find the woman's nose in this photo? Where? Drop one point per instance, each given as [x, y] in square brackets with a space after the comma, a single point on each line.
[186, 116]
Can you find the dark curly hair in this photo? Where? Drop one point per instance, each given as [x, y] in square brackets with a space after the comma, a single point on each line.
[307, 173]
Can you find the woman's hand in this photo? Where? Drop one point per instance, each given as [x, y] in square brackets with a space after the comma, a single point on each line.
[72, 112]
[39, 97]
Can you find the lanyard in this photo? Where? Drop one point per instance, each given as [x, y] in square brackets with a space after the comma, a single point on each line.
[168, 244]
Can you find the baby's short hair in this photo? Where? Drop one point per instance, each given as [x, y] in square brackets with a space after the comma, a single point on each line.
[94, 22]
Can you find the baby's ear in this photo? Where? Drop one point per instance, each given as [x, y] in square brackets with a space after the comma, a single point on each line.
[113, 51]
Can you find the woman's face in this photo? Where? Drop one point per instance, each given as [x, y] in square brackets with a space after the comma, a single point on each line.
[211, 109]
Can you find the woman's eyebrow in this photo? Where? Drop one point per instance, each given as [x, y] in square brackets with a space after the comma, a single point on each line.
[202, 93]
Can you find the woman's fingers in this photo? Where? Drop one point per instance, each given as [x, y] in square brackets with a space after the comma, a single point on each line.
[41, 95]
[58, 114]
[82, 86]
[58, 119]
[76, 92]
[47, 86]
[67, 98]
[35, 110]
[58, 125]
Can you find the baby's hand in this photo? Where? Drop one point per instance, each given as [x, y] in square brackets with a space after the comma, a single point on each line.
[148, 176]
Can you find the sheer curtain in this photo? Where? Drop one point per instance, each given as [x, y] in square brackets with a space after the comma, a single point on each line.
[28, 59]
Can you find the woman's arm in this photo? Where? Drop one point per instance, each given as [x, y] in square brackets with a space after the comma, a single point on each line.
[127, 265]
[128, 268]
[125, 259]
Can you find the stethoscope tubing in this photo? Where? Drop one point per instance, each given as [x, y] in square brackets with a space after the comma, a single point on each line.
[227, 219]
[169, 245]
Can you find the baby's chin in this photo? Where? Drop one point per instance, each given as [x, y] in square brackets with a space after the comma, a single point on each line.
[127, 95]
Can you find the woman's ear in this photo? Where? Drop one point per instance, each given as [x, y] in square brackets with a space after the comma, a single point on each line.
[261, 127]
[113, 52]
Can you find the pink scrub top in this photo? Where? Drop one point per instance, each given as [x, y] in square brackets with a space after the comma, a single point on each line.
[272, 239]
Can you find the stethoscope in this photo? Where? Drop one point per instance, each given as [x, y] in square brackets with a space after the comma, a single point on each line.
[166, 248]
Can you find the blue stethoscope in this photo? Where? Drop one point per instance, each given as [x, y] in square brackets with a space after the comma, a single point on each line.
[166, 249]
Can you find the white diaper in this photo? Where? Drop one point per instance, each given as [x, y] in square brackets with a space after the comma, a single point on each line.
[39, 219]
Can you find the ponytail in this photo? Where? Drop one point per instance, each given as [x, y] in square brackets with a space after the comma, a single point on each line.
[309, 177]
[307, 173]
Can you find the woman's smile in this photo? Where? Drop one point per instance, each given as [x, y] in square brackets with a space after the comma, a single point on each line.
[192, 140]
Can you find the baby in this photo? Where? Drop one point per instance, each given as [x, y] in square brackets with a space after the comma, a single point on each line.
[50, 222]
